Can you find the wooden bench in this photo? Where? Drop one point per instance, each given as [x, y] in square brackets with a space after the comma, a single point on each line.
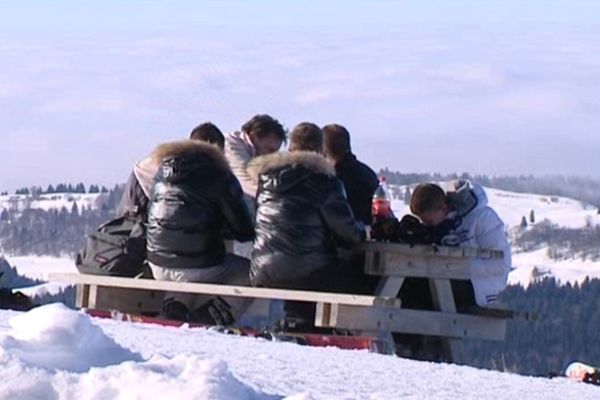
[369, 315]
[395, 262]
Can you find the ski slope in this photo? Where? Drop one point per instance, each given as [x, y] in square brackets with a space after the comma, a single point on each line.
[55, 353]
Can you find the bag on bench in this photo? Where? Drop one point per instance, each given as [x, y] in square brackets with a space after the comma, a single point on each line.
[117, 248]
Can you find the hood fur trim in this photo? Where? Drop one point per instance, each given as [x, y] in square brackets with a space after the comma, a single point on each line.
[311, 160]
[189, 148]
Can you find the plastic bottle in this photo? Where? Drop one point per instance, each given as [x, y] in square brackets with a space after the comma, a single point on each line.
[381, 206]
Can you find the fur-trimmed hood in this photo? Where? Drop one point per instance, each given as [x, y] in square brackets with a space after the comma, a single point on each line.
[189, 149]
[279, 172]
[309, 159]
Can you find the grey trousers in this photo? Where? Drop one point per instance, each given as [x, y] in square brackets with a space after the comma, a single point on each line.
[233, 271]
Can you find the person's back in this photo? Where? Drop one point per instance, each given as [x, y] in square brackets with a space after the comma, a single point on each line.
[195, 197]
[360, 181]
[302, 215]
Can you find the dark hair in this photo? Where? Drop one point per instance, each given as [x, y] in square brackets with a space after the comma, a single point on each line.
[306, 137]
[336, 141]
[209, 132]
[263, 125]
[427, 197]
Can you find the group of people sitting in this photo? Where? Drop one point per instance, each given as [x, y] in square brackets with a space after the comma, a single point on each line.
[302, 213]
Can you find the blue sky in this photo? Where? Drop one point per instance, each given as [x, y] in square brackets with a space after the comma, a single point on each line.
[498, 87]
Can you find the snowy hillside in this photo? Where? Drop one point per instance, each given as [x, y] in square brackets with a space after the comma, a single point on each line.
[54, 352]
[512, 207]
[52, 201]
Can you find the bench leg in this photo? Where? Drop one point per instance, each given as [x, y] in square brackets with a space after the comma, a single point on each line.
[443, 300]
[82, 296]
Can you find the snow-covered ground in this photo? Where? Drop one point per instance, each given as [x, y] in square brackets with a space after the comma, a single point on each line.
[38, 267]
[52, 201]
[512, 207]
[55, 353]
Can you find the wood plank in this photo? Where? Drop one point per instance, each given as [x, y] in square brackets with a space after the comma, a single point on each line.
[421, 267]
[443, 300]
[126, 300]
[434, 323]
[216, 289]
[82, 295]
[432, 250]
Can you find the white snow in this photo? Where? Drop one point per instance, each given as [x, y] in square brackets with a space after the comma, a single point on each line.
[38, 267]
[52, 201]
[536, 265]
[56, 353]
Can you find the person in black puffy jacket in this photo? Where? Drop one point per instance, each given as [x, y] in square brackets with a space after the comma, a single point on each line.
[194, 203]
[302, 216]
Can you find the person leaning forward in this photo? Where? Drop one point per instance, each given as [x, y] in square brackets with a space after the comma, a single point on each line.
[302, 216]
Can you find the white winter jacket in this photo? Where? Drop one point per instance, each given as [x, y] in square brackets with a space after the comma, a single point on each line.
[239, 150]
[480, 227]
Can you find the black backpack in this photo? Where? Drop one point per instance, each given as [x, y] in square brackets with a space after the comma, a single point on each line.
[117, 248]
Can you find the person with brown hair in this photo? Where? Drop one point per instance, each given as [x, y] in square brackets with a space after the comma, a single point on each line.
[302, 216]
[259, 136]
[359, 180]
[462, 217]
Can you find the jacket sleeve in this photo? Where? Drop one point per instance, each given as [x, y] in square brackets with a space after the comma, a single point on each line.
[134, 199]
[490, 234]
[238, 219]
[337, 214]
[238, 157]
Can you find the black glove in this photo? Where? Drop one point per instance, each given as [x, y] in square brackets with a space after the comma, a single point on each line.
[410, 230]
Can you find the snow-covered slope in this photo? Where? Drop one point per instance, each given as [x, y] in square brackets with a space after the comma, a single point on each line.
[512, 207]
[52, 201]
[53, 352]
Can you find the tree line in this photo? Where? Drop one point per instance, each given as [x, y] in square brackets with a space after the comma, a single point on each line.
[565, 330]
[60, 188]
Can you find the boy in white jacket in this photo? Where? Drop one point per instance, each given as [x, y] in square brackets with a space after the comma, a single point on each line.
[469, 222]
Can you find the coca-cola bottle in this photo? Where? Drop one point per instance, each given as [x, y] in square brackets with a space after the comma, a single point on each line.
[381, 206]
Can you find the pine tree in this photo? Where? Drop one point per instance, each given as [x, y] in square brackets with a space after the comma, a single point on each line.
[532, 217]
[74, 210]
[50, 189]
[523, 222]
[407, 195]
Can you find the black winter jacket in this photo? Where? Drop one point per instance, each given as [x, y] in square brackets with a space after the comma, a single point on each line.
[302, 216]
[360, 182]
[195, 198]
